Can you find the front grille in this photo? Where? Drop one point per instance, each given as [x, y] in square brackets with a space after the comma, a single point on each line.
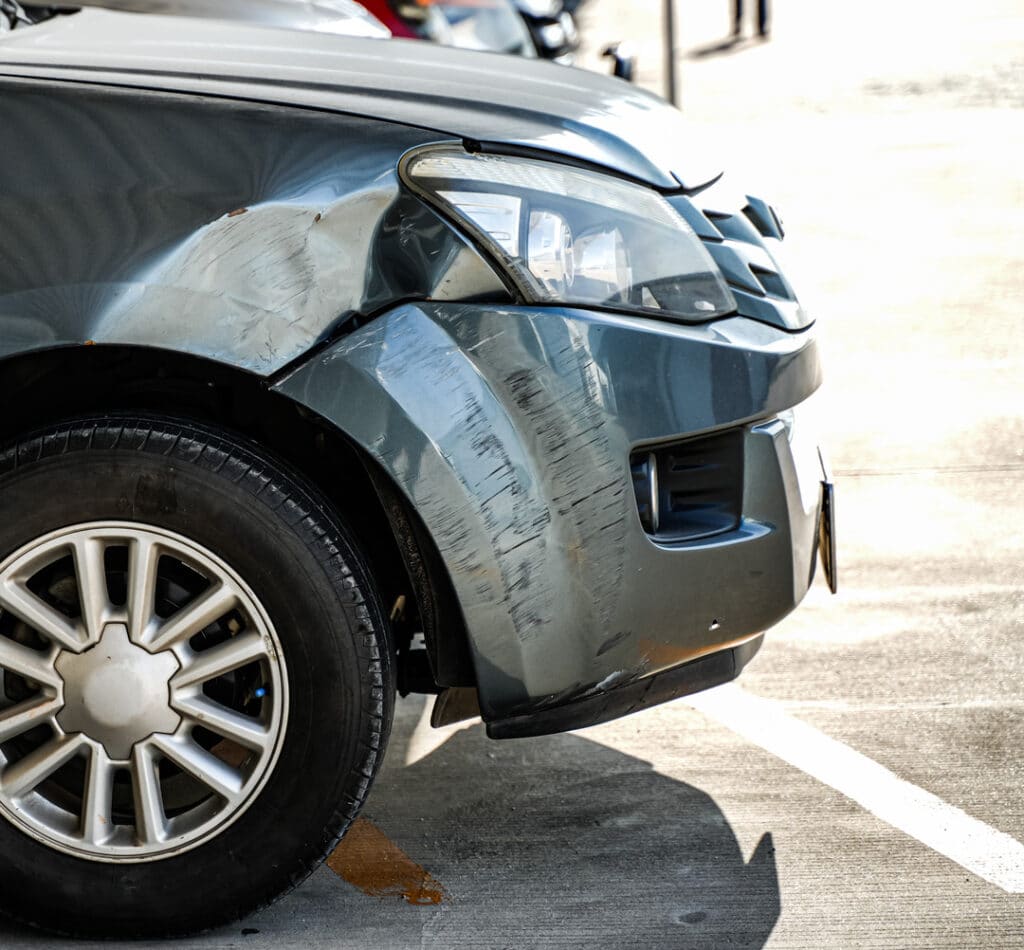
[736, 242]
[691, 489]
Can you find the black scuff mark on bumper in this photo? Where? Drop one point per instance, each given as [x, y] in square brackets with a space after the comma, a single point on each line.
[612, 641]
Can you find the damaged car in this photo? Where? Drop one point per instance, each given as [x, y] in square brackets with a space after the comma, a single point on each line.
[324, 381]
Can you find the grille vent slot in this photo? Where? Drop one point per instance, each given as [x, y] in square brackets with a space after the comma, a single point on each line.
[740, 244]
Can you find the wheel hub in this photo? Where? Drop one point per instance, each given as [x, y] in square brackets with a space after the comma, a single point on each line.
[117, 693]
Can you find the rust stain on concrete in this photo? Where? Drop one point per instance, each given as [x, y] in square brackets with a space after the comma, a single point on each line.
[368, 859]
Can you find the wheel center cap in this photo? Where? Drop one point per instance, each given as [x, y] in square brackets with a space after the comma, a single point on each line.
[117, 693]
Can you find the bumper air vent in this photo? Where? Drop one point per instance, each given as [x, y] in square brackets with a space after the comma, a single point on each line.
[690, 490]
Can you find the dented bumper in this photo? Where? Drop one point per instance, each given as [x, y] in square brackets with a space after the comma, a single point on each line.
[511, 431]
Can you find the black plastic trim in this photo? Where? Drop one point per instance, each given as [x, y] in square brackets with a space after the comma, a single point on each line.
[708, 671]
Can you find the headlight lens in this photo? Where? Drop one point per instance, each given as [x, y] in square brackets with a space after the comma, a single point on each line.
[571, 236]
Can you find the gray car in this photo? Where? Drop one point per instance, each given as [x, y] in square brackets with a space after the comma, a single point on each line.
[333, 368]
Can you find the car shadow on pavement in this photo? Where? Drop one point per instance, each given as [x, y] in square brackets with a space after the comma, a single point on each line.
[558, 841]
[563, 841]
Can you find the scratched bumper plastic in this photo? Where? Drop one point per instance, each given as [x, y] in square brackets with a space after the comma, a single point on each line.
[510, 430]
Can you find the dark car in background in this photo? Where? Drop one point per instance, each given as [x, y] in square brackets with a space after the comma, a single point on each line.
[325, 379]
[552, 27]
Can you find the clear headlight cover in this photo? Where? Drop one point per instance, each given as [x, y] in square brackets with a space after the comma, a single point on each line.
[570, 236]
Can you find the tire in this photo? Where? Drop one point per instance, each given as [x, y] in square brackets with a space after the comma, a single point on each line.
[315, 695]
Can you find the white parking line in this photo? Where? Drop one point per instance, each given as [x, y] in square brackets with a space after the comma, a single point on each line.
[981, 849]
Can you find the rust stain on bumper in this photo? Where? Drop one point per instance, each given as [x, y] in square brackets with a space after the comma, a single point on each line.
[660, 656]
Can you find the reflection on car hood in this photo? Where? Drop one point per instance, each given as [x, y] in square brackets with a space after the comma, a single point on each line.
[480, 96]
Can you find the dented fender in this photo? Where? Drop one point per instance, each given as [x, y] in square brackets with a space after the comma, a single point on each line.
[234, 231]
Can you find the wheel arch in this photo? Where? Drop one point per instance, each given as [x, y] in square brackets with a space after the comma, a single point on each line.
[46, 386]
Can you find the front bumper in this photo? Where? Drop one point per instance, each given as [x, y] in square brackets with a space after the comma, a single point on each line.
[510, 429]
[721, 664]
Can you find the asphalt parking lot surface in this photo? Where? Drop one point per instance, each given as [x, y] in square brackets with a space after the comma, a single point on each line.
[861, 785]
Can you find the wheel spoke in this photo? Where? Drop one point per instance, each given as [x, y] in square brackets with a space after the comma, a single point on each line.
[150, 822]
[221, 659]
[97, 820]
[91, 572]
[201, 765]
[31, 664]
[51, 623]
[27, 773]
[211, 605]
[225, 722]
[27, 715]
[143, 561]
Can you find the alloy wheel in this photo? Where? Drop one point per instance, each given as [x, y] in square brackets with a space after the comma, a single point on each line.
[143, 692]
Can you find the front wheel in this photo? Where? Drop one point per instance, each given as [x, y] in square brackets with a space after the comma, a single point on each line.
[195, 688]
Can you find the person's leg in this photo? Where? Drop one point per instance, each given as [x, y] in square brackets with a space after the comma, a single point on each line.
[762, 17]
[737, 17]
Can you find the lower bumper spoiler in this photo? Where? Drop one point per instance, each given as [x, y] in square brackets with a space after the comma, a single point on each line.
[708, 671]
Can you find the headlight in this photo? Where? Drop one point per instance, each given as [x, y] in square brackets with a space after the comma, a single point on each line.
[570, 236]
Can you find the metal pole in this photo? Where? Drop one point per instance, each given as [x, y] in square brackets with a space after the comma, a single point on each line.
[669, 26]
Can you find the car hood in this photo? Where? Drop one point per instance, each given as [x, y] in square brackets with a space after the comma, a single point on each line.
[485, 97]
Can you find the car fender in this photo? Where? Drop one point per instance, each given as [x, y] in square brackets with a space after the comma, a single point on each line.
[238, 232]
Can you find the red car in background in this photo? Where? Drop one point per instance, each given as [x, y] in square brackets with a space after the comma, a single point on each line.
[494, 25]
